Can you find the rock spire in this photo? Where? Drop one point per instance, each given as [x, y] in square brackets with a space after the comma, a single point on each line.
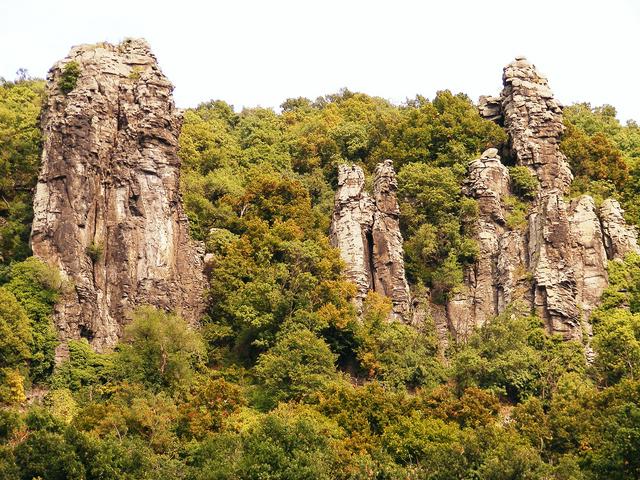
[367, 231]
[107, 211]
[557, 263]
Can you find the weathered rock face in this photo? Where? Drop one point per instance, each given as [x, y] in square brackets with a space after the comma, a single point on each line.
[490, 284]
[367, 232]
[557, 265]
[619, 238]
[554, 265]
[107, 210]
[351, 228]
[388, 256]
[533, 119]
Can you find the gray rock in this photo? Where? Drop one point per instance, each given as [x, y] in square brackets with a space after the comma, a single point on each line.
[619, 238]
[107, 210]
[557, 265]
[367, 232]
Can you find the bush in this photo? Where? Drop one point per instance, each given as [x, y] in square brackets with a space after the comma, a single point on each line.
[15, 331]
[396, 354]
[159, 350]
[11, 387]
[94, 252]
[297, 365]
[37, 287]
[69, 77]
[523, 182]
[83, 368]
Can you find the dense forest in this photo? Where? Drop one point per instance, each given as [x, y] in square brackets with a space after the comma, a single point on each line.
[282, 379]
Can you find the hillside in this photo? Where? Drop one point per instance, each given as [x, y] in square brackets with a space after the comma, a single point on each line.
[340, 288]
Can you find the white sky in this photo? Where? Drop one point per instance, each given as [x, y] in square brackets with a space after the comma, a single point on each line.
[260, 52]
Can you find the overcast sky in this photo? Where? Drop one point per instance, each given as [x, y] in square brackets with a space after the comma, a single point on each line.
[260, 52]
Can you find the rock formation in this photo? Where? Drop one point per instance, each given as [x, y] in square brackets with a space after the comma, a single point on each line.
[558, 263]
[107, 211]
[619, 238]
[367, 232]
[555, 264]
[490, 285]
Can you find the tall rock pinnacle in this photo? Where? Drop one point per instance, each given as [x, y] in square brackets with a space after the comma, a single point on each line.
[533, 119]
[367, 232]
[107, 211]
[562, 253]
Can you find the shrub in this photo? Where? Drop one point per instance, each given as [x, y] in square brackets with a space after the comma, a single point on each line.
[11, 387]
[517, 216]
[94, 252]
[69, 77]
[37, 287]
[396, 354]
[298, 364]
[523, 182]
[159, 349]
[15, 334]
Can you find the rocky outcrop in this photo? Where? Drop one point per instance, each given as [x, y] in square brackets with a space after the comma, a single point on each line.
[387, 255]
[619, 238]
[568, 263]
[107, 211]
[489, 286]
[533, 120]
[558, 263]
[367, 232]
[351, 228]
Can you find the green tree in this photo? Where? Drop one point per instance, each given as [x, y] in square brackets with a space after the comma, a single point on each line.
[298, 364]
[37, 287]
[159, 350]
[398, 355]
[617, 345]
[20, 145]
[15, 332]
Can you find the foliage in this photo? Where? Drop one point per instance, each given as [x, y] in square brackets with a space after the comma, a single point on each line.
[37, 287]
[298, 364]
[283, 380]
[397, 355]
[603, 154]
[513, 356]
[523, 182]
[95, 252]
[11, 387]
[15, 331]
[84, 367]
[159, 350]
[20, 145]
[69, 77]
[288, 443]
[445, 132]
[208, 407]
[436, 219]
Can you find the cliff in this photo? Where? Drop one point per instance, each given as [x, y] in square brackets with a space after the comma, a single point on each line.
[557, 263]
[107, 211]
